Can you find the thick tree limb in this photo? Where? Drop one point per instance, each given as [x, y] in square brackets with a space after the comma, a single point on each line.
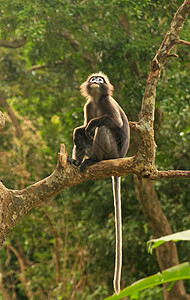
[173, 174]
[14, 204]
[167, 253]
[146, 130]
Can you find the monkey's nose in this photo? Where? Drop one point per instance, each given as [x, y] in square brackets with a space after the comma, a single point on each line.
[95, 81]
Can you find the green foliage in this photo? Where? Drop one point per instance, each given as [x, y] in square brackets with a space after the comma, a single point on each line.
[179, 236]
[74, 236]
[175, 273]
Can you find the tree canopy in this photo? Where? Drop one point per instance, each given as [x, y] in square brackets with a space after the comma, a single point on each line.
[65, 249]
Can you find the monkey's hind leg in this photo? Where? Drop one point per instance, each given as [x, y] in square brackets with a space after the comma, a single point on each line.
[73, 161]
[104, 144]
[87, 163]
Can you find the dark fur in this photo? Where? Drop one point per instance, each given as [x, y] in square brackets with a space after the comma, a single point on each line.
[104, 135]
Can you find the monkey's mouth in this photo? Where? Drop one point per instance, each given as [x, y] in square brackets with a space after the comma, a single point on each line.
[94, 84]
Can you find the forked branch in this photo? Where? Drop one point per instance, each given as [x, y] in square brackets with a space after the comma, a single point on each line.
[147, 147]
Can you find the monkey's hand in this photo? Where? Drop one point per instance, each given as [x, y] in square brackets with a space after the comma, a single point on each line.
[90, 132]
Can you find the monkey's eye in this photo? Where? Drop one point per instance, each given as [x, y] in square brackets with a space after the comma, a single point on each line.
[92, 79]
[100, 79]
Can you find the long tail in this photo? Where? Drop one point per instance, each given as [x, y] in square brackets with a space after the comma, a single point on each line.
[116, 182]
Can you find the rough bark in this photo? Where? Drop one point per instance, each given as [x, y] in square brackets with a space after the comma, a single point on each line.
[14, 204]
[167, 253]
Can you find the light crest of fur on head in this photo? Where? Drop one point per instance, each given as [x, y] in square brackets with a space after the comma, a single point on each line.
[83, 87]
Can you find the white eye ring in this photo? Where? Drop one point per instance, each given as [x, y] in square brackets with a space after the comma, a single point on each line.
[100, 79]
[97, 79]
[92, 79]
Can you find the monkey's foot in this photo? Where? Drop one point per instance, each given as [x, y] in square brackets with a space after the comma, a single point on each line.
[73, 161]
[87, 163]
[83, 167]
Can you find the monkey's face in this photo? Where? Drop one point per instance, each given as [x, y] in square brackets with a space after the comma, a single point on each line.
[96, 85]
[97, 80]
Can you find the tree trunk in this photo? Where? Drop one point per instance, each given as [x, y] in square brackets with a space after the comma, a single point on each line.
[167, 253]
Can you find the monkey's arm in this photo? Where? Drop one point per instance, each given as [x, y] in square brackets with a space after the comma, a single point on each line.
[78, 134]
[100, 121]
[88, 112]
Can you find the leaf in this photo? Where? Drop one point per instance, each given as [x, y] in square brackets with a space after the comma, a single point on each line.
[178, 236]
[178, 272]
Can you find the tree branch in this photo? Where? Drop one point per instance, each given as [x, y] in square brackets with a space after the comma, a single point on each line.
[13, 44]
[182, 42]
[147, 146]
[22, 269]
[44, 66]
[2, 121]
[75, 45]
[172, 174]
[4, 290]
[3, 103]
[171, 38]
[14, 204]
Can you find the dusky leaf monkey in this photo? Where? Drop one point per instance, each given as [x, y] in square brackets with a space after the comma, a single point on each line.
[104, 135]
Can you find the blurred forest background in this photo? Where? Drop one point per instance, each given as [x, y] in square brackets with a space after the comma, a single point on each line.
[65, 250]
